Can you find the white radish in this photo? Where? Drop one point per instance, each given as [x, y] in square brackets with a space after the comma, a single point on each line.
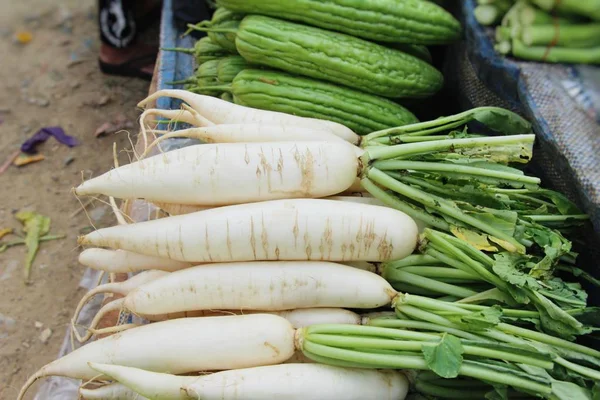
[123, 288]
[266, 286]
[181, 346]
[282, 382]
[180, 209]
[233, 173]
[114, 391]
[301, 318]
[121, 261]
[297, 229]
[224, 112]
[248, 133]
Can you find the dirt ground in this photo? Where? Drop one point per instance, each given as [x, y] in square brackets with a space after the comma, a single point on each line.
[51, 81]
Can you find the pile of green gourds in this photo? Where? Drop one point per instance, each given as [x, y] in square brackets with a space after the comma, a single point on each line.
[353, 65]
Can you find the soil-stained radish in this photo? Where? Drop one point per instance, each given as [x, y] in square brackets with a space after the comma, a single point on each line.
[121, 261]
[223, 112]
[296, 229]
[233, 173]
[283, 382]
[266, 286]
[181, 346]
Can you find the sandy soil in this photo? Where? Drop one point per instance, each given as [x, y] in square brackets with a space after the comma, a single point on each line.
[51, 81]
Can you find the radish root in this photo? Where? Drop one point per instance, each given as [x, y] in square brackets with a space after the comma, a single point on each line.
[112, 306]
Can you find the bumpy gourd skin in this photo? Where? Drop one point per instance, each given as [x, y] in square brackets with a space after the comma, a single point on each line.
[399, 21]
[229, 67]
[205, 50]
[276, 91]
[335, 57]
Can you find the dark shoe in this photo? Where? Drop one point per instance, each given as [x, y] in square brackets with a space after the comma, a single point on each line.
[132, 68]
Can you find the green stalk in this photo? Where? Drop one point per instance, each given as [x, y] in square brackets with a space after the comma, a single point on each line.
[491, 294]
[418, 363]
[417, 195]
[556, 54]
[427, 326]
[359, 330]
[587, 8]
[530, 15]
[569, 36]
[441, 272]
[413, 259]
[449, 145]
[406, 288]
[547, 339]
[393, 202]
[518, 124]
[186, 50]
[427, 283]
[350, 342]
[387, 165]
[336, 363]
[478, 268]
[581, 370]
[508, 312]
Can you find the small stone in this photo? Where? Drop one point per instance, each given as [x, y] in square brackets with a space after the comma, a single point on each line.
[68, 160]
[38, 324]
[45, 335]
[25, 344]
[74, 84]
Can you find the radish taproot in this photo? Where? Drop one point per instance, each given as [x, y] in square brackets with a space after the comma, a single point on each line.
[113, 391]
[247, 133]
[121, 261]
[298, 318]
[224, 112]
[233, 173]
[123, 288]
[296, 229]
[265, 286]
[285, 382]
[186, 345]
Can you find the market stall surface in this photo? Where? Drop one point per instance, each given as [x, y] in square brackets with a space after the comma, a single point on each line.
[50, 78]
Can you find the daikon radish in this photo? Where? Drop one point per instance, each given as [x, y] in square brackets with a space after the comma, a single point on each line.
[300, 318]
[265, 286]
[364, 265]
[181, 346]
[114, 391]
[297, 229]
[224, 112]
[121, 261]
[180, 209]
[282, 382]
[233, 173]
[248, 133]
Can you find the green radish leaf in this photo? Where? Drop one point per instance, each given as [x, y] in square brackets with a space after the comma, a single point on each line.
[556, 321]
[500, 392]
[564, 205]
[483, 319]
[568, 294]
[445, 357]
[596, 391]
[509, 267]
[569, 391]
[589, 316]
[502, 121]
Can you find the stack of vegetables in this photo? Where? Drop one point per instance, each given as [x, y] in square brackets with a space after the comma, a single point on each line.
[566, 31]
[450, 275]
[354, 63]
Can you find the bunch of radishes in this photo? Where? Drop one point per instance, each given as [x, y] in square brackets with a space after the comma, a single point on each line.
[231, 284]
